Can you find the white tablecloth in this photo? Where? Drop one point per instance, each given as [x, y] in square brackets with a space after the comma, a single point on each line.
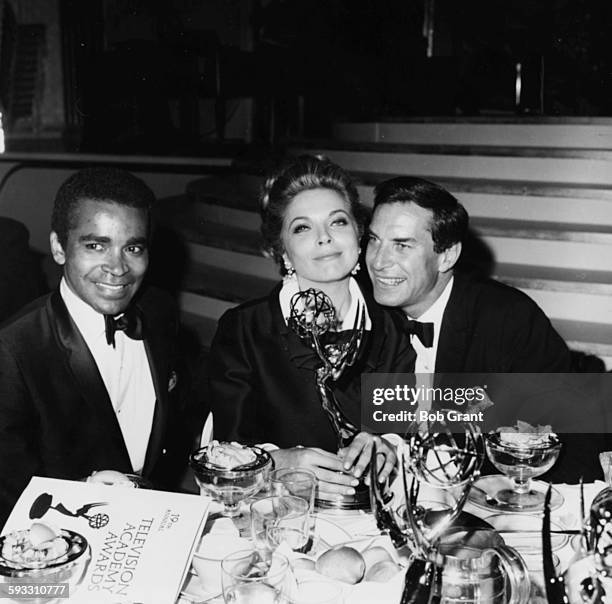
[360, 527]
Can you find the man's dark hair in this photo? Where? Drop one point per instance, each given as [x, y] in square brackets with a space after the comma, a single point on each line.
[112, 185]
[450, 219]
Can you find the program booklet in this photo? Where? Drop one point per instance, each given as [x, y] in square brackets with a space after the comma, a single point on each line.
[140, 541]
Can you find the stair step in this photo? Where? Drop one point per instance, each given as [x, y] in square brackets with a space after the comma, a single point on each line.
[203, 306]
[584, 211]
[524, 132]
[540, 206]
[219, 235]
[594, 338]
[555, 279]
[509, 186]
[573, 306]
[249, 263]
[444, 148]
[521, 229]
[560, 170]
[575, 255]
[231, 286]
[234, 190]
[217, 212]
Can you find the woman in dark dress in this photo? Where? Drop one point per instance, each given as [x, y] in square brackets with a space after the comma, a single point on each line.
[263, 377]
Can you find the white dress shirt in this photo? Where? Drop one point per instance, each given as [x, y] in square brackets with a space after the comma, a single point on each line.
[125, 372]
[426, 357]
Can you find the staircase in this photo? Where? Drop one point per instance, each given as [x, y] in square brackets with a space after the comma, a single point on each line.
[220, 228]
[539, 197]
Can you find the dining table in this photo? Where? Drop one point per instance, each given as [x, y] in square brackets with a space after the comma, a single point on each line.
[358, 529]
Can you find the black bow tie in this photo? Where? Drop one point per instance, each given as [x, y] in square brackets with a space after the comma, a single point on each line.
[423, 331]
[129, 322]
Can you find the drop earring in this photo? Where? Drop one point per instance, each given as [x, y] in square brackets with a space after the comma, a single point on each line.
[289, 270]
[356, 269]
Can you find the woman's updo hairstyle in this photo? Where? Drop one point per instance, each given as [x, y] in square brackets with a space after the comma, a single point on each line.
[302, 173]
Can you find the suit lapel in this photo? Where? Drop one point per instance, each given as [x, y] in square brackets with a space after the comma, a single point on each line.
[454, 331]
[86, 375]
[156, 349]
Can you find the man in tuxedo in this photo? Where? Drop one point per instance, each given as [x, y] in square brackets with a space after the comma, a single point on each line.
[463, 325]
[87, 373]
[471, 325]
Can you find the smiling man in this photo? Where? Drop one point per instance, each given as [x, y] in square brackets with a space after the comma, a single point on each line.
[85, 372]
[458, 323]
[463, 325]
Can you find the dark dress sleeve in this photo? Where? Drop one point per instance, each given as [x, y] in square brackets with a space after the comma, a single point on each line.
[234, 400]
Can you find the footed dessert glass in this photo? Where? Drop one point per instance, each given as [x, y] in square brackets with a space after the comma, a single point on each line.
[230, 484]
[521, 459]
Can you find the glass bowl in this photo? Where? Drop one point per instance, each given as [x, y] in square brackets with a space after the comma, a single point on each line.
[69, 567]
[230, 486]
[521, 463]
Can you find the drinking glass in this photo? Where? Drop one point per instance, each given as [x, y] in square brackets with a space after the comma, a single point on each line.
[280, 518]
[299, 483]
[248, 577]
[296, 482]
[426, 513]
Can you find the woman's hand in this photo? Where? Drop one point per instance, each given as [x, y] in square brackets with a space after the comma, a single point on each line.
[327, 467]
[357, 456]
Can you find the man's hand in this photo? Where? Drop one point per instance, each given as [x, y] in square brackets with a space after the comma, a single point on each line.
[327, 467]
[357, 455]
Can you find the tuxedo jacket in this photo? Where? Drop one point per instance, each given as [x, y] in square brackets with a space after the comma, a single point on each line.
[262, 376]
[491, 328]
[56, 418]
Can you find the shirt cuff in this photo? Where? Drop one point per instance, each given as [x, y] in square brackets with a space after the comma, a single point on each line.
[269, 447]
[393, 439]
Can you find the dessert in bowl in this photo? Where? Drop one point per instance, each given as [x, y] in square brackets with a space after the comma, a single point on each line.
[230, 472]
[522, 453]
[43, 554]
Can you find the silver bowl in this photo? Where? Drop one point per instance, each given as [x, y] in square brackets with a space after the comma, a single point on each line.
[69, 568]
